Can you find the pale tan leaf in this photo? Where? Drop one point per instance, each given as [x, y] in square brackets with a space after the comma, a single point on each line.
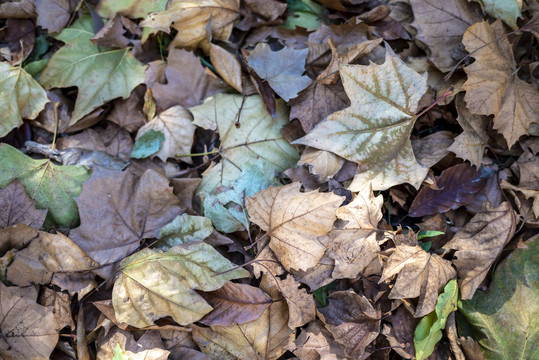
[316, 343]
[227, 65]
[294, 221]
[60, 305]
[323, 164]
[420, 274]
[148, 347]
[479, 244]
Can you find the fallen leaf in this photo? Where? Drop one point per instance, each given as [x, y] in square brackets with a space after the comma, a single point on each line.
[60, 305]
[22, 97]
[505, 318]
[177, 127]
[20, 37]
[375, 130]
[508, 10]
[438, 19]
[148, 144]
[15, 237]
[51, 186]
[528, 168]
[323, 164]
[127, 113]
[100, 76]
[294, 221]
[148, 346]
[282, 69]
[154, 284]
[457, 185]
[227, 65]
[303, 13]
[53, 15]
[16, 207]
[111, 35]
[235, 304]
[352, 320]
[192, 18]
[184, 228]
[479, 244]
[23, 9]
[398, 334]
[432, 148]
[316, 342]
[493, 86]
[419, 274]
[131, 8]
[32, 336]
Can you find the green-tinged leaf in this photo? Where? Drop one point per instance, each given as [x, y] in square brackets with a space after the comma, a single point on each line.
[426, 245]
[258, 138]
[429, 330]
[119, 353]
[35, 68]
[148, 144]
[100, 76]
[429, 233]
[131, 8]
[20, 97]
[184, 228]
[505, 318]
[154, 284]
[375, 130]
[51, 186]
[303, 13]
[507, 10]
[321, 294]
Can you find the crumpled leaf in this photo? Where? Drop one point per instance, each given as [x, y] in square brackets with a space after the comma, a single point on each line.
[316, 342]
[178, 129]
[192, 18]
[111, 35]
[282, 69]
[154, 284]
[528, 166]
[479, 243]
[32, 336]
[60, 304]
[429, 330]
[21, 97]
[131, 8]
[458, 185]
[16, 207]
[235, 304]
[505, 318]
[419, 274]
[352, 320]
[323, 164]
[493, 86]
[294, 221]
[442, 19]
[507, 10]
[184, 228]
[121, 343]
[398, 333]
[51, 186]
[100, 76]
[375, 130]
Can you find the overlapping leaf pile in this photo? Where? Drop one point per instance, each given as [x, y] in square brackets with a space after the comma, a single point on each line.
[328, 179]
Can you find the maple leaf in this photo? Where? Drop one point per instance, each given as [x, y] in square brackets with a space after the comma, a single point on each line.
[20, 97]
[100, 76]
[375, 130]
[154, 284]
[493, 86]
[294, 221]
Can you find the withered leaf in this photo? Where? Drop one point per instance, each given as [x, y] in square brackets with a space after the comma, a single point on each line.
[479, 244]
[316, 342]
[148, 346]
[16, 207]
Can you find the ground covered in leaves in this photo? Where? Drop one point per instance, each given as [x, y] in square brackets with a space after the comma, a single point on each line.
[269, 179]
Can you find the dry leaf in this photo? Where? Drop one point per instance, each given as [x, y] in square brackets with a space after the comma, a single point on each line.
[528, 166]
[149, 346]
[493, 86]
[53, 15]
[111, 35]
[316, 343]
[432, 148]
[227, 65]
[479, 244]
[294, 221]
[60, 305]
[127, 113]
[16, 207]
[323, 164]
[419, 274]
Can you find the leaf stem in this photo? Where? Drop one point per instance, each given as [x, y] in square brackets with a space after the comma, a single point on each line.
[199, 154]
[56, 106]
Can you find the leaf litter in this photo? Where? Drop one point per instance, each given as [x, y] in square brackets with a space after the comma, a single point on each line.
[262, 180]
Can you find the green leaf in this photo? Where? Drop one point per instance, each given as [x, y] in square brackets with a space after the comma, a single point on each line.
[184, 228]
[20, 97]
[428, 233]
[119, 353]
[507, 10]
[99, 75]
[154, 284]
[35, 68]
[429, 330]
[426, 245]
[505, 318]
[148, 144]
[375, 130]
[131, 8]
[51, 186]
[303, 13]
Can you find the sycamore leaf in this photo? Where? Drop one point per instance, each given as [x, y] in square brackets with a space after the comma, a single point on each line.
[184, 228]
[316, 342]
[505, 318]
[257, 139]
[149, 346]
[294, 221]
[131, 8]
[16, 207]
[32, 336]
[479, 244]
[177, 127]
[100, 76]
[323, 164]
[20, 97]
[429, 330]
[227, 65]
[51, 186]
[147, 144]
[375, 130]
[192, 18]
[493, 86]
[154, 284]
[507, 10]
[282, 69]
[419, 274]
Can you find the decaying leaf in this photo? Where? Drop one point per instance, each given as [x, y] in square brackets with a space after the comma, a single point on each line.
[32, 336]
[16, 207]
[154, 284]
[493, 86]
[116, 341]
[294, 221]
[479, 244]
[528, 166]
[375, 130]
[419, 274]
[323, 164]
[316, 342]
[182, 229]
